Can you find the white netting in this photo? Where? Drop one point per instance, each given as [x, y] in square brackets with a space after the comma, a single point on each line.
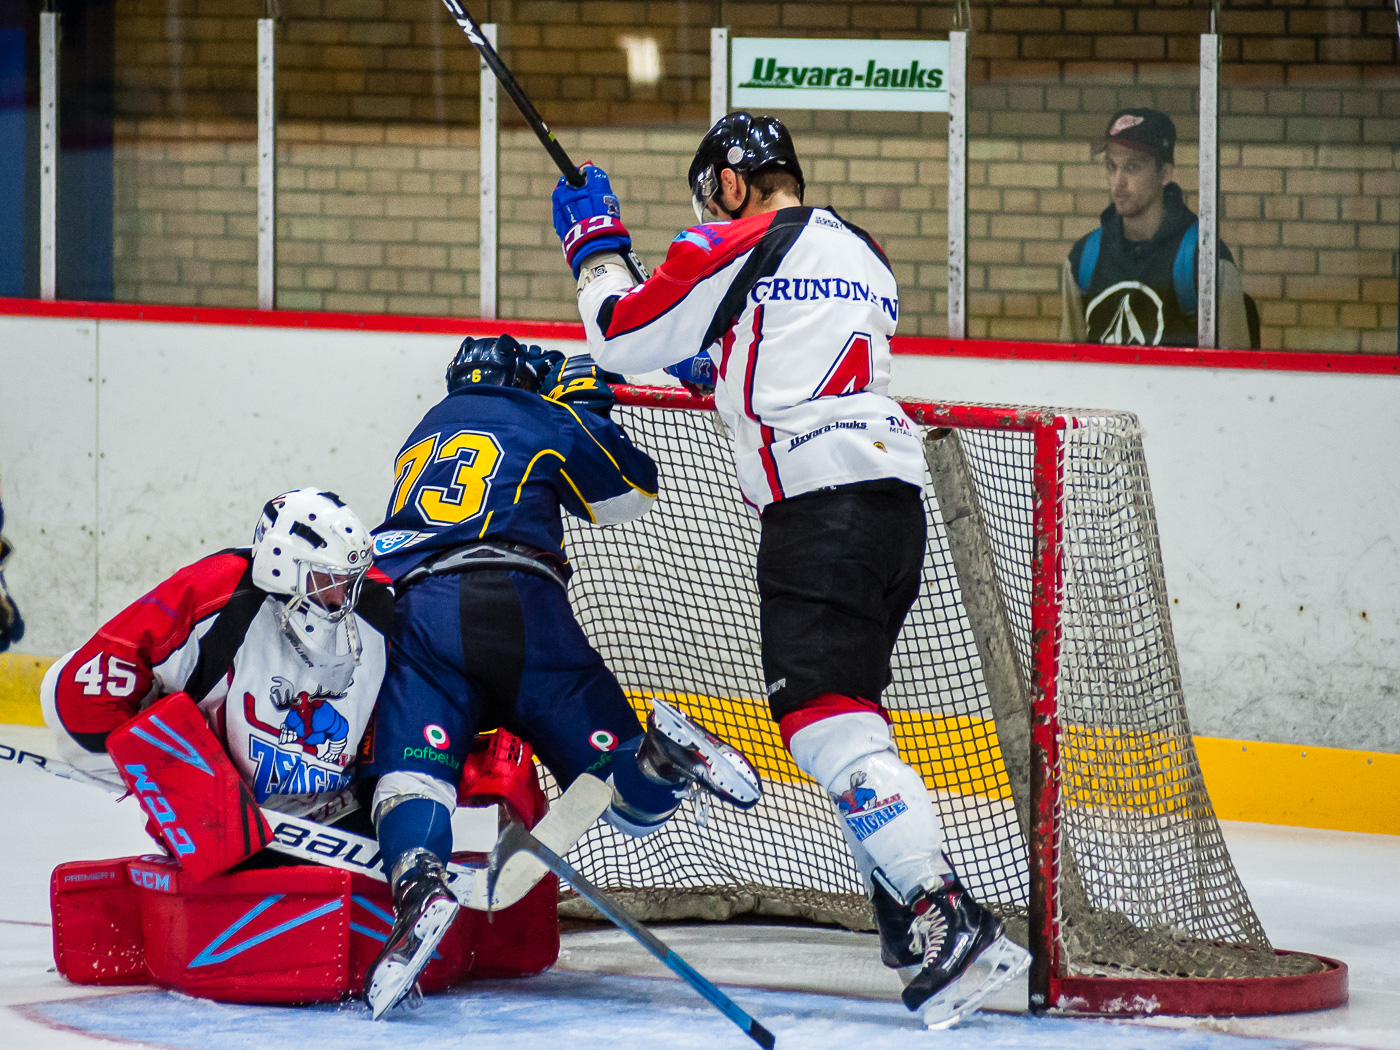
[1146, 884]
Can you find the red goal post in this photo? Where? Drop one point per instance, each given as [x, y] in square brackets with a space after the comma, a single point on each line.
[1035, 686]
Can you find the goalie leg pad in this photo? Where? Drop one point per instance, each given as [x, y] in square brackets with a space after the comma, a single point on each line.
[882, 802]
[170, 760]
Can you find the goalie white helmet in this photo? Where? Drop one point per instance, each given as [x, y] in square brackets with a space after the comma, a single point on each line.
[312, 548]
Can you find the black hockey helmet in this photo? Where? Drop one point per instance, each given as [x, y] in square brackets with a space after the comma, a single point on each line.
[744, 143]
[495, 360]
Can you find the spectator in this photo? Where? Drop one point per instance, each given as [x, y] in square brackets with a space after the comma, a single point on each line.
[1134, 279]
[11, 625]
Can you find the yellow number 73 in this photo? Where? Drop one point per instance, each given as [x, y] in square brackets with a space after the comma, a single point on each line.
[477, 454]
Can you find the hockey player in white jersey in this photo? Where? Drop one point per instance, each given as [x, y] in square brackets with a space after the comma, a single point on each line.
[787, 312]
[281, 645]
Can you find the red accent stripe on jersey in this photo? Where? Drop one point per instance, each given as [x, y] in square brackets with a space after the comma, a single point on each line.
[826, 705]
[765, 451]
[684, 268]
[726, 347]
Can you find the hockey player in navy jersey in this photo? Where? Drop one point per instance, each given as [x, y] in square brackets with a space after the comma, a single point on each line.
[484, 635]
[786, 312]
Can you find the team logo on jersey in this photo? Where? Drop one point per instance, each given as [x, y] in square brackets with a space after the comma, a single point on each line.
[1124, 314]
[436, 736]
[395, 539]
[702, 236]
[602, 740]
[311, 724]
[864, 812]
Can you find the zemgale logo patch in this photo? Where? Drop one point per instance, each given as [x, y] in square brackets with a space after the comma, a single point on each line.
[437, 736]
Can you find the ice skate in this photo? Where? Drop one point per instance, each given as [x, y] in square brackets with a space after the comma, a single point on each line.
[676, 748]
[950, 951]
[424, 908]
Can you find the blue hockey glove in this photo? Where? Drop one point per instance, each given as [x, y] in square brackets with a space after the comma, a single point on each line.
[697, 374]
[578, 381]
[588, 218]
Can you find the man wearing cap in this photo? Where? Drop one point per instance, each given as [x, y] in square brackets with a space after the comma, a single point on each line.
[1133, 280]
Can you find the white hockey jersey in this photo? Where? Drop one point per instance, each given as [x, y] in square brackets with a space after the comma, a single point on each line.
[796, 309]
[209, 632]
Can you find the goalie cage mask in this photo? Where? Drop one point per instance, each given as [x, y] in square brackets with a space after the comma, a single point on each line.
[309, 547]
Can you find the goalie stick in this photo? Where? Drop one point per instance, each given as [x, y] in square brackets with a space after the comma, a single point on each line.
[515, 840]
[572, 175]
[296, 836]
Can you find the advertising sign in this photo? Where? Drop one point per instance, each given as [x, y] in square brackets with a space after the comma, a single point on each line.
[787, 73]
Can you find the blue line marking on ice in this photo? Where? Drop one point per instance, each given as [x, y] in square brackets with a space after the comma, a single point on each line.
[591, 1012]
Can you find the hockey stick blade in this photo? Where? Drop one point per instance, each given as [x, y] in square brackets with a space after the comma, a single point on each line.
[294, 836]
[556, 152]
[515, 839]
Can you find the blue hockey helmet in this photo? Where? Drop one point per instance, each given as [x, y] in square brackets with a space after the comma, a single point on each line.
[745, 143]
[496, 361]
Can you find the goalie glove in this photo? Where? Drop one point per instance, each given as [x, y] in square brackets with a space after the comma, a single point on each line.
[588, 218]
[578, 381]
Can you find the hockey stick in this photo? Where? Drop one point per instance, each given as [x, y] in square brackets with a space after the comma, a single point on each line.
[296, 836]
[515, 839]
[571, 172]
[567, 168]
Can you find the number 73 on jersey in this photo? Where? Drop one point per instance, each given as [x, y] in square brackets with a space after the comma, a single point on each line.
[461, 467]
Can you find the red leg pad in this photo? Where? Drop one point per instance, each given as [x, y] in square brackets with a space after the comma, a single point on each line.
[519, 941]
[275, 936]
[97, 923]
[170, 760]
[308, 934]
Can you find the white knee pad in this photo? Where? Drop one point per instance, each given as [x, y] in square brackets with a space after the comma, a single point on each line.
[394, 788]
[883, 803]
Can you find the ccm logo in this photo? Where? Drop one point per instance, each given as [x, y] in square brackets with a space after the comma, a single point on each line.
[160, 810]
[151, 880]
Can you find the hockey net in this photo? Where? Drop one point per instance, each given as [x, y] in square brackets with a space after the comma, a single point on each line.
[1036, 689]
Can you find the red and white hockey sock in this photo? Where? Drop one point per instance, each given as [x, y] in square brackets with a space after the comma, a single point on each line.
[883, 803]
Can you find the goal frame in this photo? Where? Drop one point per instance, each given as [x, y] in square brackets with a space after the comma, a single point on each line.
[1051, 986]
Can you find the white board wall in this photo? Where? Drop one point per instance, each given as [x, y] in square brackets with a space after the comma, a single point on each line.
[129, 449]
[1278, 499]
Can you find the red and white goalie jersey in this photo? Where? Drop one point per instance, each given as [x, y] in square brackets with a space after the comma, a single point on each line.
[290, 724]
[796, 309]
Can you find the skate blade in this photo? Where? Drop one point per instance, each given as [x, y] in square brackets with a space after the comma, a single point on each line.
[731, 772]
[395, 979]
[1002, 961]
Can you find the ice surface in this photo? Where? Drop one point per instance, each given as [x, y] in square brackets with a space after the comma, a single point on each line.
[1329, 892]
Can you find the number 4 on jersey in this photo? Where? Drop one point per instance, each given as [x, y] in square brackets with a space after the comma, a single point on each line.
[853, 370]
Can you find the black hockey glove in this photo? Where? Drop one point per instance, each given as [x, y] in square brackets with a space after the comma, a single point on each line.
[542, 362]
[578, 381]
[11, 623]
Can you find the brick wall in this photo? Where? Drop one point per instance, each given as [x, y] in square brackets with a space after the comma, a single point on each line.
[378, 198]
[385, 217]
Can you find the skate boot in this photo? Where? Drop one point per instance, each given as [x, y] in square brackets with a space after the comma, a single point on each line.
[676, 749]
[424, 907]
[950, 951]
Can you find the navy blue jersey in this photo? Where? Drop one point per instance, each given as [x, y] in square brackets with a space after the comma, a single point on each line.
[497, 463]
